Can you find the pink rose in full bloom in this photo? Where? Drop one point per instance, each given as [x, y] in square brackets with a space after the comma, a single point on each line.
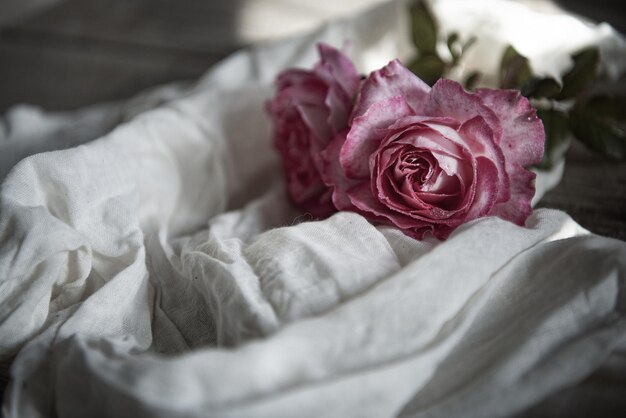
[430, 159]
[310, 108]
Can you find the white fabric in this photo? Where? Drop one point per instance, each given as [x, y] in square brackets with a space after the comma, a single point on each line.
[159, 271]
[538, 29]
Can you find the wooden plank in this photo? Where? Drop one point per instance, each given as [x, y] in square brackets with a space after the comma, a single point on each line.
[80, 52]
[59, 72]
[593, 192]
[4, 378]
[193, 25]
[12, 11]
[611, 11]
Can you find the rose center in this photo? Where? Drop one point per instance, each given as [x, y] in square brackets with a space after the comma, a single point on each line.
[416, 168]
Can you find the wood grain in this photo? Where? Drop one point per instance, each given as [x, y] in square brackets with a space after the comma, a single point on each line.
[593, 192]
[59, 72]
[194, 25]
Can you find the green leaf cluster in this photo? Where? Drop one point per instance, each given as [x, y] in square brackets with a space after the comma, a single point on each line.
[429, 65]
[556, 124]
[516, 73]
[599, 122]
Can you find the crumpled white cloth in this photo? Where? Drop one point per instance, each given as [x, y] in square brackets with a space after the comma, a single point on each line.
[159, 271]
[539, 30]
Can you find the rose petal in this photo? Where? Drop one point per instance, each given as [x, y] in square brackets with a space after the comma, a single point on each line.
[362, 198]
[484, 189]
[386, 157]
[306, 94]
[293, 77]
[522, 144]
[365, 136]
[339, 107]
[479, 138]
[342, 79]
[315, 118]
[321, 206]
[448, 99]
[402, 123]
[383, 204]
[523, 135]
[517, 209]
[436, 199]
[368, 205]
[386, 186]
[335, 66]
[413, 204]
[365, 203]
[305, 187]
[333, 174]
[390, 194]
[418, 131]
[392, 80]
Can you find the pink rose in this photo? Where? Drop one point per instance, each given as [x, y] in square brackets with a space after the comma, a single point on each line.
[429, 160]
[309, 109]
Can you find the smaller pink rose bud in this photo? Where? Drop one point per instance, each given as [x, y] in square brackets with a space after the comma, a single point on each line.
[309, 109]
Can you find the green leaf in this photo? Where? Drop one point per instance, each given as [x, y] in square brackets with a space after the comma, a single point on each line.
[514, 69]
[453, 47]
[556, 126]
[424, 27]
[599, 133]
[541, 87]
[581, 74]
[472, 79]
[467, 45]
[429, 68]
[609, 107]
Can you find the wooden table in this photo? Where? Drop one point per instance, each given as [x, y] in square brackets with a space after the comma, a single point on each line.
[79, 52]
